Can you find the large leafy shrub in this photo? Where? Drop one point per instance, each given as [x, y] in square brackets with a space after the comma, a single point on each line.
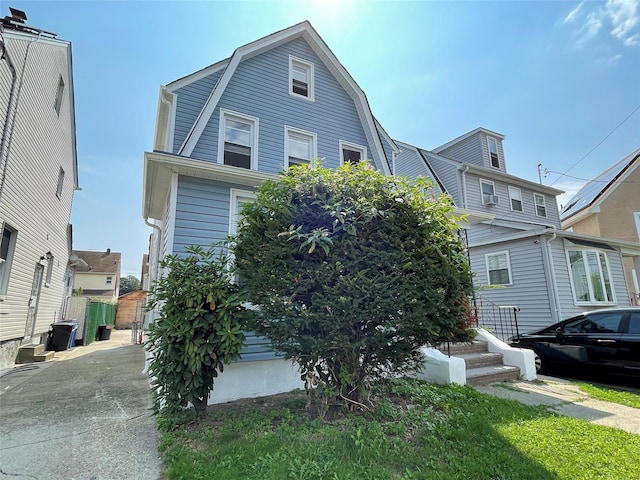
[353, 271]
[199, 328]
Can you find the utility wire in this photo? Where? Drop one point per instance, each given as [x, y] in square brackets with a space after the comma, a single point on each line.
[598, 144]
[593, 181]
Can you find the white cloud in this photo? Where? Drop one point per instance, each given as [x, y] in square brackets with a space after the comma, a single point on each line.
[624, 18]
[573, 14]
[589, 29]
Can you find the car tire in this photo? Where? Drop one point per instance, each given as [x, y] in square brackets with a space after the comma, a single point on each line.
[538, 361]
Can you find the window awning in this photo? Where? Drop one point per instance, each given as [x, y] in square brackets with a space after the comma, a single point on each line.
[589, 243]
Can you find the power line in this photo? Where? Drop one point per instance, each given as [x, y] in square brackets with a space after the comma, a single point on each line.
[597, 145]
[593, 181]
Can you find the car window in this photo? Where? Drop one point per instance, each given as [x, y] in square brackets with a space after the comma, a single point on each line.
[606, 322]
[634, 323]
[579, 325]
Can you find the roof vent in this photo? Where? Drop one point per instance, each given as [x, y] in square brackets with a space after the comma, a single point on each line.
[17, 15]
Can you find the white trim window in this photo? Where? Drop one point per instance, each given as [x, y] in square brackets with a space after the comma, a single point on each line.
[636, 217]
[57, 105]
[492, 144]
[540, 204]
[109, 280]
[299, 146]
[515, 199]
[301, 78]
[7, 248]
[60, 183]
[488, 191]
[590, 277]
[237, 199]
[238, 142]
[352, 152]
[498, 268]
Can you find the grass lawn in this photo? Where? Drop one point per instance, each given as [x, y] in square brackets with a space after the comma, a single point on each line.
[610, 395]
[417, 431]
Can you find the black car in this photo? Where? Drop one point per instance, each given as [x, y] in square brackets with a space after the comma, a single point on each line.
[602, 340]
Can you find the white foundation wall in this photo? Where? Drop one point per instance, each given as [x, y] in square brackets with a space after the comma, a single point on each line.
[255, 379]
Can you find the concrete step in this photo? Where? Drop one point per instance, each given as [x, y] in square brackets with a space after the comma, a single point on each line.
[458, 349]
[493, 374]
[478, 360]
[33, 353]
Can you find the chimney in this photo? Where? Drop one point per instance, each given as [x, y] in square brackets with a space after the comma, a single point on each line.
[108, 251]
[17, 15]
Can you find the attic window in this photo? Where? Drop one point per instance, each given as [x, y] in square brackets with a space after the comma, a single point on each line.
[109, 281]
[58, 103]
[60, 183]
[541, 206]
[301, 78]
[238, 145]
[493, 152]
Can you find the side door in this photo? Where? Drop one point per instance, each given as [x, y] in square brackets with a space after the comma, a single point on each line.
[630, 345]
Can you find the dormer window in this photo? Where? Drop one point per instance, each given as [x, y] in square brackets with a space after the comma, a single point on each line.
[352, 153]
[493, 152]
[541, 206]
[301, 78]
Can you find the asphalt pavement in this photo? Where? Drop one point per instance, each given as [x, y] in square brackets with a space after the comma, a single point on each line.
[84, 415]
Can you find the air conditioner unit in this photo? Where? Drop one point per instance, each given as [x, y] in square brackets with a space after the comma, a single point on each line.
[490, 199]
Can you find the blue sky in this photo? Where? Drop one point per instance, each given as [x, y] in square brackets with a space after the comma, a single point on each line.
[555, 78]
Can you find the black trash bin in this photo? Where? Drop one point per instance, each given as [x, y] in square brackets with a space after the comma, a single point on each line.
[104, 332]
[63, 334]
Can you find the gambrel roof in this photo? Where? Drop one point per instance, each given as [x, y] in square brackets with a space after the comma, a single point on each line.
[604, 183]
[307, 32]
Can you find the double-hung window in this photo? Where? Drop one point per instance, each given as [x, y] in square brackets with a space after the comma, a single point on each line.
[498, 268]
[239, 140]
[301, 81]
[7, 247]
[541, 206]
[493, 152]
[515, 197]
[488, 190]
[300, 146]
[351, 153]
[590, 276]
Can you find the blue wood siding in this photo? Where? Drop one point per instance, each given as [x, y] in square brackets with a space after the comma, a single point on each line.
[484, 231]
[503, 209]
[530, 289]
[202, 217]
[260, 88]
[469, 150]
[388, 151]
[449, 175]
[190, 100]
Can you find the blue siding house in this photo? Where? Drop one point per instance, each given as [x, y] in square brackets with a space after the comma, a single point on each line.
[285, 99]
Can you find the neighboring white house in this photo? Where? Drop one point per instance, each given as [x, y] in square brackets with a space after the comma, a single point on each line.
[99, 277]
[38, 177]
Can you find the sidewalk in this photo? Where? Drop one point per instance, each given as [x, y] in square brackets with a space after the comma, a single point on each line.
[84, 415]
[567, 399]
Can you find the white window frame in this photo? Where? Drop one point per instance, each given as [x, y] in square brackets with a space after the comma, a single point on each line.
[508, 259]
[310, 76]
[47, 282]
[57, 105]
[544, 204]
[5, 265]
[482, 194]
[515, 194]
[352, 146]
[60, 183]
[234, 195]
[301, 133]
[109, 280]
[224, 114]
[636, 217]
[588, 277]
[489, 140]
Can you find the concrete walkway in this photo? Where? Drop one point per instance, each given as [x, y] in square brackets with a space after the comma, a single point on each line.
[567, 399]
[84, 415]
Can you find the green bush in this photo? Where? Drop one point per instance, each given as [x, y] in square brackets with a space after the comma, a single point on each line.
[199, 329]
[353, 271]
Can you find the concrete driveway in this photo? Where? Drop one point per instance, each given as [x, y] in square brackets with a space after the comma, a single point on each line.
[84, 415]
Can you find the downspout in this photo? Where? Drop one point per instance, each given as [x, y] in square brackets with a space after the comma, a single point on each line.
[464, 186]
[159, 230]
[6, 140]
[554, 285]
[3, 142]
